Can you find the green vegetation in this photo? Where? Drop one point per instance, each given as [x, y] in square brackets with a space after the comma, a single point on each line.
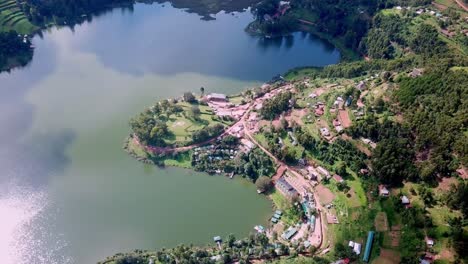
[13, 18]
[14, 51]
[174, 123]
[275, 106]
[411, 116]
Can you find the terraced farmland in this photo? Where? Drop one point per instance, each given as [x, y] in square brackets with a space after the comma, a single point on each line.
[12, 18]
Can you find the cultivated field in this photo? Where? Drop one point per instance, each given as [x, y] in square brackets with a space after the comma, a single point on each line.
[12, 18]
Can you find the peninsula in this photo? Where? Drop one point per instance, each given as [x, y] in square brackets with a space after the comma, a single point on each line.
[346, 152]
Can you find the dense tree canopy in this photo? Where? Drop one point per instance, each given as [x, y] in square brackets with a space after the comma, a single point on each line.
[13, 47]
[392, 161]
[273, 107]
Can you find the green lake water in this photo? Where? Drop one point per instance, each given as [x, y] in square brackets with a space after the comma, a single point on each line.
[68, 192]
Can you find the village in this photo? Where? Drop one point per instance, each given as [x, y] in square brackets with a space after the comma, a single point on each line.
[321, 197]
[300, 183]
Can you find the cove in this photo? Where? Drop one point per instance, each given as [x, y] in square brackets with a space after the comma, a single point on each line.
[70, 194]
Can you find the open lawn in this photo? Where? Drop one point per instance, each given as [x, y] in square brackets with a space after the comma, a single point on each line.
[182, 125]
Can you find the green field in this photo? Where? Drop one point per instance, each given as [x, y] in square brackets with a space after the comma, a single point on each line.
[12, 18]
[181, 125]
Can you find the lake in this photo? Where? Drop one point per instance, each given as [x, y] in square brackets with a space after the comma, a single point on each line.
[68, 192]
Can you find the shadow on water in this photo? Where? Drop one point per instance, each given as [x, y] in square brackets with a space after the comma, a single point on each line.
[36, 159]
[31, 160]
[167, 41]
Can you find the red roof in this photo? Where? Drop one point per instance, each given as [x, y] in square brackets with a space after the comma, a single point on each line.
[338, 178]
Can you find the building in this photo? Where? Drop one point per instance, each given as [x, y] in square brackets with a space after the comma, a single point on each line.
[216, 97]
[405, 200]
[338, 178]
[383, 191]
[416, 73]
[283, 186]
[357, 248]
[289, 233]
[367, 252]
[429, 242]
[361, 85]
[324, 131]
[323, 171]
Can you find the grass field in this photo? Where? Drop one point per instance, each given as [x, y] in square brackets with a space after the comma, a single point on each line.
[182, 125]
[12, 18]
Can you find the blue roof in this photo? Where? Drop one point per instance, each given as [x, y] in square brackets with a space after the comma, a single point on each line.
[370, 238]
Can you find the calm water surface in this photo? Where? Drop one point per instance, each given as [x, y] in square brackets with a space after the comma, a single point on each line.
[68, 193]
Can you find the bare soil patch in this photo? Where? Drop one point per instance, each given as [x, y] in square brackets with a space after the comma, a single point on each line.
[387, 256]
[446, 254]
[319, 91]
[325, 195]
[296, 116]
[381, 222]
[446, 184]
[463, 172]
[344, 118]
[395, 234]
[441, 7]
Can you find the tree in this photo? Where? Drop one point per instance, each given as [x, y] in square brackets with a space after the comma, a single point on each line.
[230, 240]
[195, 112]
[378, 44]
[265, 7]
[427, 42]
[202, 91]
[393, 161]
[264, 183]
[189, 97]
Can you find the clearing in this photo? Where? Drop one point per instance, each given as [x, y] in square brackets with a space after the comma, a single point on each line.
[381, 222]
[387, 256]
[325, 195]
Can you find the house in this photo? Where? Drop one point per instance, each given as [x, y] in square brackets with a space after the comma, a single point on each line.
[405, 201]
[416, 73]
[427, 258]
[289, 233]
[357, 248]
[338, 178]
[319, 110]
[324, 131]
[368, 250]
[283, 186]
[361, 85]
[447, 33]
[429, 242]
[323, 171]
[312, 172]
[383, 191]
[216, 97]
